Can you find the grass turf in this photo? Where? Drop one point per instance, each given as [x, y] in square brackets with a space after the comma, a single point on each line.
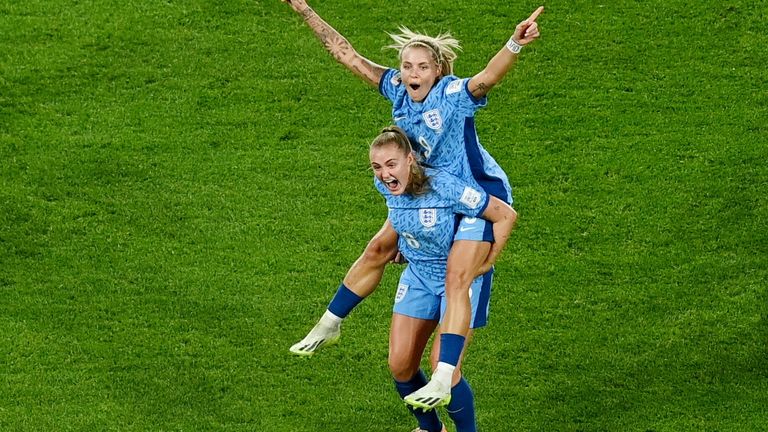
[183, 185]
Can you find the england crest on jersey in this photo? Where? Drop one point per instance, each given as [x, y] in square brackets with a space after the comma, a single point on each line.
[402, 290]
[433, 120]
[428, 217]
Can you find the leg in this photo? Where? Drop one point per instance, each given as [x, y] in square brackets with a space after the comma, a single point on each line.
[365, 274]
[434, 356]
[461, 408]
[361, 280]
[448, 352]
[407, 339]
[464, 260]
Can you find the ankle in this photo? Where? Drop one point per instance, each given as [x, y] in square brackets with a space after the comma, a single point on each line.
[330, 320]
[443, 374]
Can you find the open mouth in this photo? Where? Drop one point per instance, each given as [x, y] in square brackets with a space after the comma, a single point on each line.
[415, 86]
[392, 184]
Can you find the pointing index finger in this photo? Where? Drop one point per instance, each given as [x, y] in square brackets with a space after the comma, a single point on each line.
[535, 14]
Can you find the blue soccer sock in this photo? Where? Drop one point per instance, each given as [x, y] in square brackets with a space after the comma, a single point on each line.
[343, 302]
[428, 420]
[461, 409]
[451, 345]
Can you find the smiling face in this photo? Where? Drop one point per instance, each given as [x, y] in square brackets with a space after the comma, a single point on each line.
[419, 71]
[392, 166]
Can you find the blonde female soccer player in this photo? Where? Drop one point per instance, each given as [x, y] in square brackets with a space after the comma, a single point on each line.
[436, 111]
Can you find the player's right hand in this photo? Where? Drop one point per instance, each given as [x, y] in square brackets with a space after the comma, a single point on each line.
[528, 30]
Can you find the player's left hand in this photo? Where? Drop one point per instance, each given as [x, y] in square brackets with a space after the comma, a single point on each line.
[484, 268]
[399, 259]
[528, 30]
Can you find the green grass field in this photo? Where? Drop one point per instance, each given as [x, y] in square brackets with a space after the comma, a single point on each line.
[183, 185]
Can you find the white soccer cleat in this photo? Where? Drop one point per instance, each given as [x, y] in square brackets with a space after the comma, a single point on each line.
[432, 395]
[320, 336]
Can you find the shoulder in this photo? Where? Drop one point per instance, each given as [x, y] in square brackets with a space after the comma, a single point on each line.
[456, 190]
[392, 76]
[439, 177]
[453, 84]
[457, 89]
[390, 81]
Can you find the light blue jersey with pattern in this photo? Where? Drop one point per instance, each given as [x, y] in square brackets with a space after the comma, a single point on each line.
[427, 223]
[442, 130]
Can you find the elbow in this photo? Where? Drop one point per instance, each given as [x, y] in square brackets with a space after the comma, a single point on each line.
[508, 222]
[508, 215]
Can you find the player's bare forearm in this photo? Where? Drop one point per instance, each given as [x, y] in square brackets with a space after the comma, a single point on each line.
[525, 32]
[493, 73]
[503, 218]
[501, 235]
[340, 48]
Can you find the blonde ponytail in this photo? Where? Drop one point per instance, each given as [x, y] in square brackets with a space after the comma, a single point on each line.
[443, 47]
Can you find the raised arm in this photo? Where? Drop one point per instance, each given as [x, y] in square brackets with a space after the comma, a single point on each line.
[337, 45]
[503, 218]
[525, 33]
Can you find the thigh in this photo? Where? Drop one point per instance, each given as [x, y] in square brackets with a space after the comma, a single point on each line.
[408, 337]
[417, 296]
[471, 245]
[479, 300]
[464, 260]
[384, 242]
[365, 274]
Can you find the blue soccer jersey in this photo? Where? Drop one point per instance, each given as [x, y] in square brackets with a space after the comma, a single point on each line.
[442, 130]
[427, 223]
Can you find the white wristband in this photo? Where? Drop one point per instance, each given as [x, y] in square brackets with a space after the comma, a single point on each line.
[513, 46]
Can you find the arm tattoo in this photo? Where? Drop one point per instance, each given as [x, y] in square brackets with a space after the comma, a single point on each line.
[334, 42]
[307, 13]
[482, 89]
[340, 48]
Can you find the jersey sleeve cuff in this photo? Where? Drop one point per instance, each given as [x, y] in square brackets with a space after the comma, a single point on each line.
[384, 79]
[480, 102]
[482, 208]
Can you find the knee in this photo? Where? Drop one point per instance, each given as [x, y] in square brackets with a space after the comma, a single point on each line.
[379, 251]
[401, 368]
[458, 279]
